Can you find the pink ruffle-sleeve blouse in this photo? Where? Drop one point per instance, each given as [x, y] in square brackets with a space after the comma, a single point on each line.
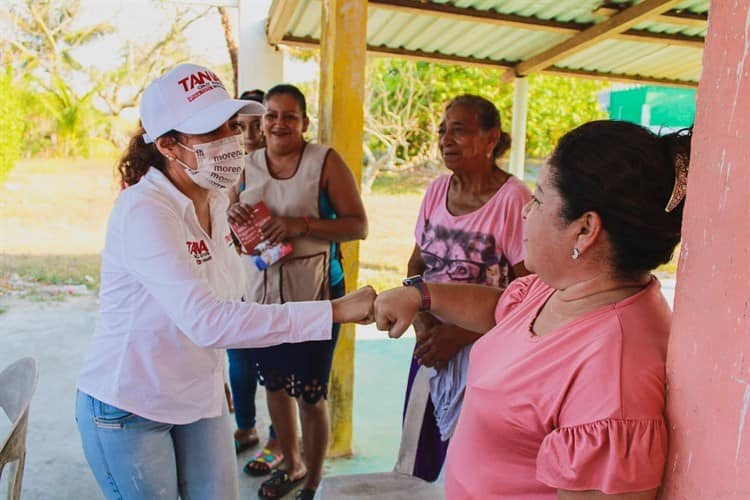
[580, 408]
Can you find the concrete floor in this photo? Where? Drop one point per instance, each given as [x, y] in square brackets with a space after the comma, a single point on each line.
[56, 333]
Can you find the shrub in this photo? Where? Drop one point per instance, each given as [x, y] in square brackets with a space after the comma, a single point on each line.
[12, 121]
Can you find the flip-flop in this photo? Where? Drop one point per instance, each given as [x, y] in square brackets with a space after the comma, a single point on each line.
[279, 484]
[239, 446]
[263, 463]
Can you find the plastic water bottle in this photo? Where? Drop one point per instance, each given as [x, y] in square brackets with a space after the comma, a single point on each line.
[270, 254]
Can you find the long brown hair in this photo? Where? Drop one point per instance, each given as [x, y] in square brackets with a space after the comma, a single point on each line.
[138, 157]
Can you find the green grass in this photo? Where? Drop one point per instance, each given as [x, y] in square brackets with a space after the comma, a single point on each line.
[395, 183]
[53, 269]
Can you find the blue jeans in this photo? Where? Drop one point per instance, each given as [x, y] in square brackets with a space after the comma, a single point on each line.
[243, 379]
[136, 458]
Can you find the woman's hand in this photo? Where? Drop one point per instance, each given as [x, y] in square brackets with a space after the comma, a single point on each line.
[395, 309]
[355, 307]
[284, 228]
[240, 213]
[439, 344]
[422, 323]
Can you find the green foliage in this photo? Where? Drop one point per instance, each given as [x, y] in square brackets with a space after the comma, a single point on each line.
[75, 121]
[74, 109]
[44, 37]
[556, 105]
[12, 121]
[406, 100]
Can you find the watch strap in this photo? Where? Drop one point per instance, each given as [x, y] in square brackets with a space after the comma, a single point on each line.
[424, 292]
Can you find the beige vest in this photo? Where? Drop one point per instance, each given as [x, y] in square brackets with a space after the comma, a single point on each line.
[304, 274]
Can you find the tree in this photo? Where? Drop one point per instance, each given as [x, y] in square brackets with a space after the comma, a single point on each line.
[394, 114]
[73, 103]
[406, 99]
[73, 117]
[44, 37]
[232, 44]
[142, 61]
[556, 105]
[12, 124]
[40, 56]
[404, 103]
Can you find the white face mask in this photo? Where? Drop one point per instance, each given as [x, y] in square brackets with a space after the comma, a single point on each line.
[220, 162]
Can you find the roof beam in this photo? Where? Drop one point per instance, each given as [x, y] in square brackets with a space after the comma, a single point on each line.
[695, 42]
[279, 16]
[493, 18]
[416, 55]
[471, 15]
[591, 36]
[618, 77]
[674, 17]
[488, 63]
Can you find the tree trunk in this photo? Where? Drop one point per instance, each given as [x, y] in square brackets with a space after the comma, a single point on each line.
[232, 46]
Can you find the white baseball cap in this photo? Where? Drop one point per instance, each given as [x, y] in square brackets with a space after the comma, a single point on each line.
[253, 108]
[190, 99]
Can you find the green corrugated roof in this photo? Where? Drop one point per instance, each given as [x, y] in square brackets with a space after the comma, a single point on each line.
[664, 47]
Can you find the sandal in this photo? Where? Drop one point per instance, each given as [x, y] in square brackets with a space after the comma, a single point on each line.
[279, 484]
[240, 446]
[305, 494]
[263, 463]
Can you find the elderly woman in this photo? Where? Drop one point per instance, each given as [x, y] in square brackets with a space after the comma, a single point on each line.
[469, 230]
[150, 405]
[565, 392]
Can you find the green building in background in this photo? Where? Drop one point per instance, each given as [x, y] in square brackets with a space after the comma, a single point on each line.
[661, 109]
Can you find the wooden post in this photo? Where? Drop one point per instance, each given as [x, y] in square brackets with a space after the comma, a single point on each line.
[341, 123]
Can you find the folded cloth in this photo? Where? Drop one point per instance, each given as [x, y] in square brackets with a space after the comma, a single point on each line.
[447, 392]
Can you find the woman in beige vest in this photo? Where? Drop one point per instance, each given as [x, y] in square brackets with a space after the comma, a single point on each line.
[315, 204]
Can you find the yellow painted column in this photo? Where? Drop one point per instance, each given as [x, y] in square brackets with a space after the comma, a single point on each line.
[341, 123]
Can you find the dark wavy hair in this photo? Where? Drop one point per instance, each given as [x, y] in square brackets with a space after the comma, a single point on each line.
[138, 157]
[625, 173]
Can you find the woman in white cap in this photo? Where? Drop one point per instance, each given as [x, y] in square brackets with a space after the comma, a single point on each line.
[150, 405]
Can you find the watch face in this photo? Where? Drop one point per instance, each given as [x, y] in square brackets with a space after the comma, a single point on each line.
[412, 280]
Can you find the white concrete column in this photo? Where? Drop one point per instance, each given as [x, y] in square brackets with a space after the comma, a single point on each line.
[518, 128]
[260, 66]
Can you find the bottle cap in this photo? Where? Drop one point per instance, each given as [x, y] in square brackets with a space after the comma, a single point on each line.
[259, 262]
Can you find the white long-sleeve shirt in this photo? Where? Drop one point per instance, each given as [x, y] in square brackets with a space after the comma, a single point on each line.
[169, 305]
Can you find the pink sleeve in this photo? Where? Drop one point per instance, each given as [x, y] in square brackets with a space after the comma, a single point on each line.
[431, 197]
[513, 295]
[614, 456]
[512, 235]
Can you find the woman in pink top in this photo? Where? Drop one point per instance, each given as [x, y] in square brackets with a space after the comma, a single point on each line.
[469, 230]
[565, 391]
